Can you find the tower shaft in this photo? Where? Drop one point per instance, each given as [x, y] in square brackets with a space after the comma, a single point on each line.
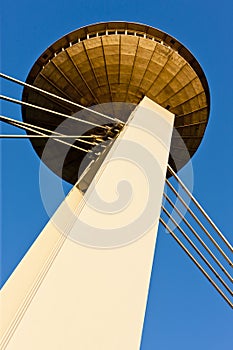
[84, 283]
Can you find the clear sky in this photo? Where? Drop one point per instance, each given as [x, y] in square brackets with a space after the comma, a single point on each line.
[184, 312]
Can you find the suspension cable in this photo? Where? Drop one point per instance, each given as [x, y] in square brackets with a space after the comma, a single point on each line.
[7, 77]
[12, 121]
[17, 124]
[200, 224]
[13, 100]
[198, 237]
[200, 208]
[197, 251]
[197, 263]
[41, 136]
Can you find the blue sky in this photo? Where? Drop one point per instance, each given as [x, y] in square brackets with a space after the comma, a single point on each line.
[184, 311]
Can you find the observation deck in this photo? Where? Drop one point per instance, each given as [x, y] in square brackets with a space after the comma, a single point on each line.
[112, 66]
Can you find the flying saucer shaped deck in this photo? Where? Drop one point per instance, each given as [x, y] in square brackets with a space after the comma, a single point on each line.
[113, 66]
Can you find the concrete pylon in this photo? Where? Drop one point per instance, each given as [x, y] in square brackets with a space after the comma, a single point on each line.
[84, 282]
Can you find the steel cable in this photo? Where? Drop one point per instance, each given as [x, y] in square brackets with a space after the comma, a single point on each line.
[17, 81]
[197, 263]
[200, 208]
[198, 237]
[198, 251]
[13, 100]
[12, 121]
[199, 223]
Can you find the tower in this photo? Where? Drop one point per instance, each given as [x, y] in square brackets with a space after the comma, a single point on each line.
[183, 88]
